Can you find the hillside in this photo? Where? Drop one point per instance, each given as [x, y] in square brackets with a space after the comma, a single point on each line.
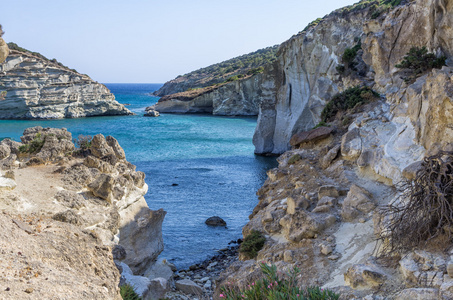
[229, 70]
[35, 87]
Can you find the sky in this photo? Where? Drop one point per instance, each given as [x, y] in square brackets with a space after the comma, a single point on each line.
[150, 41]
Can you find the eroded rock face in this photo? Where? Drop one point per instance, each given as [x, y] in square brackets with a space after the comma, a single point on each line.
[4, 50]
[238, 98]
[92, 203]
[57, 92]
[304, 79]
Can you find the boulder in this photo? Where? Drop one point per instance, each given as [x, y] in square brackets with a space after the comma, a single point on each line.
[140, 234]
[7, 183]
[5, 151]
[100, 147]
[351, 144]
[112, 142]
[411, 170]
[357, 200]
[311, 136]
[188, 287]
[329, 191]
[4, 50]
[330, 156]
[215, 221]
[364, 277]
[102, 187]
[151, 113]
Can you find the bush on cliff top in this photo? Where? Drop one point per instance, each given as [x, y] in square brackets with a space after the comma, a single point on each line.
[252, 243]
[34, 146]
[418, 61]
[276, 287]
[348, 99]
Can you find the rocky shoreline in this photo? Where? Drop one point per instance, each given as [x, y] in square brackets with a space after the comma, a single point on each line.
[72, 217]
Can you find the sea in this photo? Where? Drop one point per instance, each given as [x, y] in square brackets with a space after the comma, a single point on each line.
[196, 166]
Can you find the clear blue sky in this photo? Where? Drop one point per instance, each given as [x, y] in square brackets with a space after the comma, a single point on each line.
[153, 41]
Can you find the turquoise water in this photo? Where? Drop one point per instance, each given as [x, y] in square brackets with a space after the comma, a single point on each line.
[196, 166]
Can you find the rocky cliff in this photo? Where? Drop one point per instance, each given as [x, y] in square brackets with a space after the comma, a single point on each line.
[325, 205]
[72, 217]
[36, 88]
[237, 98]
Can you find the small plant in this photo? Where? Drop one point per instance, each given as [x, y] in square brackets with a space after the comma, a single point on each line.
[418, 61]
[295, 158]
[348, 99]
[83, 142]
[252, 243]
[3, 95]
[321, 124]
[275, 287]
[348, 58]
[34, 146]
[127, 292]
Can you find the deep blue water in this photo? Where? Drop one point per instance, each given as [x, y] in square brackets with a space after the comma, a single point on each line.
[209, 158]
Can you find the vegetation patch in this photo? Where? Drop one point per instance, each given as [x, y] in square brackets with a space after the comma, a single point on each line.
[321, 124]
[3, 95]
[277, 286]
[376, 7]
[295, 158]
[348, 99]
[245, 65]
[418, 61]
[424, 211]
[252, 243]
[312, 24]
[127, 292]
[34, 146]
[348, 58]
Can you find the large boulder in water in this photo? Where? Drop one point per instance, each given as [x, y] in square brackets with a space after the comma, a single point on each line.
[215, 221]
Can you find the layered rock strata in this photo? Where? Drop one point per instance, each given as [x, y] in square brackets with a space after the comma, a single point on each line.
[320, 208]
[65, 210]
[35, 88]
[237, 98]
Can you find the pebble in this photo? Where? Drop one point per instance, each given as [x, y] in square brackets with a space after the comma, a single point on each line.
[333, 257]
[29, 290]
[362, 220]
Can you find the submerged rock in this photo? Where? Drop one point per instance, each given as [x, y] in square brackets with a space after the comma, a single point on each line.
[215, 221]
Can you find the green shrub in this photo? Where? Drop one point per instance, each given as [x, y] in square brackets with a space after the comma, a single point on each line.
[295, 158]
[34, 146]
[252, 243]
[348, 57]
[418, 61]
[127, 292]
[3, 95]
[348, 99]
[275, 287]
[321, 124]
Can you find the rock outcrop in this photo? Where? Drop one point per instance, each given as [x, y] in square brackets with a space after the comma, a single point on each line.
[36, 88]
[237, 98]
[64, 213]
[320, 209]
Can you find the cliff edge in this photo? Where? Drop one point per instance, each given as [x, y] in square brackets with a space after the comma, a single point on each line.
[32, 87]
[73, 218]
